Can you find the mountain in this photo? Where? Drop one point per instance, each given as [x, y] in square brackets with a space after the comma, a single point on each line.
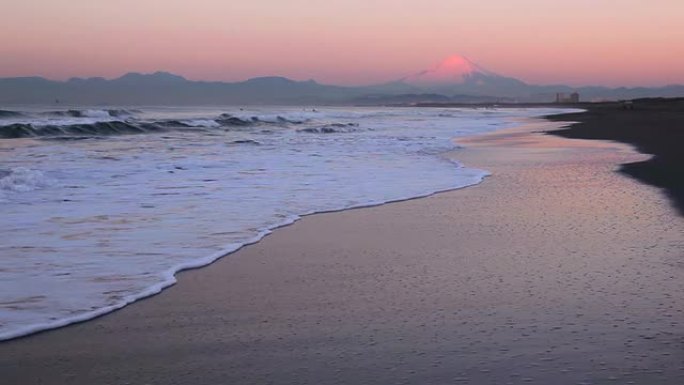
[151, 79]
[452, 71]
[459, 75]
[162, 88]
[454, 80]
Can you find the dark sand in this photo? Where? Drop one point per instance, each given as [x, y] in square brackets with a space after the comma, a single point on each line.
[654, 126]
[555, 270]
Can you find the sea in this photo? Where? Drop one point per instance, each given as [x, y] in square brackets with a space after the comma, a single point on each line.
[100, 207]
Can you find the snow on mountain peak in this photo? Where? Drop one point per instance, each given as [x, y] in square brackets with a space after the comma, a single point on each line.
[455, 69]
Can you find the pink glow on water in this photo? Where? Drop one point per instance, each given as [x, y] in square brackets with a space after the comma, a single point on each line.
[627, 42]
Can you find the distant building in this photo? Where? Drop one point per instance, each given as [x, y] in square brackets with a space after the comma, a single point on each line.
[567, 98]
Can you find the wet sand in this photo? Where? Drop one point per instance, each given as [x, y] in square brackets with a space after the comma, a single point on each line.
[654, 126]
[555, 270]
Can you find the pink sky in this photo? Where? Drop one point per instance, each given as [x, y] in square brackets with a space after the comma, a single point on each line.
[579, 42]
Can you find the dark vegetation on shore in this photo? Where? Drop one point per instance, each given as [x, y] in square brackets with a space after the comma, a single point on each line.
[654, 126]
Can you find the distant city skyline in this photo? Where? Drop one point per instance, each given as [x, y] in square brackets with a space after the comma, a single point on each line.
[352, 42]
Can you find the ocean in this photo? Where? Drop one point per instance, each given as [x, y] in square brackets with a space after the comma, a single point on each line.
[101, 207]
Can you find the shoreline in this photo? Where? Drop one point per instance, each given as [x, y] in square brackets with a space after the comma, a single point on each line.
[652, 126]
[165, 275]
[262, 303]
[170, 275]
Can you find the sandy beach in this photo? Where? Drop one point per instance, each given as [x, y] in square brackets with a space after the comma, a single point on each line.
[554, 270]
[653, 126]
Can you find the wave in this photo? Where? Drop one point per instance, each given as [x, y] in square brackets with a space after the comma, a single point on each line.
[208, 123]
[10, 114]
[103, 123]
[20, 130]
[169, 124]
[247, 119]
[246, 141]
[103, 114]
[230, 120]
[108, 128]
[332, 128]
[65, 117]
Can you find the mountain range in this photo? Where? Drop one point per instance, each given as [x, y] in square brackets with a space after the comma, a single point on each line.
[455, 80]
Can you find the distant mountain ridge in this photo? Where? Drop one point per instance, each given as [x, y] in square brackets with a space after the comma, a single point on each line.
[456, 79]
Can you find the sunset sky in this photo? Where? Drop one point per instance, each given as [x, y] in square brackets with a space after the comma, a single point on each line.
[579, 42]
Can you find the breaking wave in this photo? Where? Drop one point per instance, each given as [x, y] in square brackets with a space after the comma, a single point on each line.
[240, 120]
[109, 113]
[104, 125]
[19, 130]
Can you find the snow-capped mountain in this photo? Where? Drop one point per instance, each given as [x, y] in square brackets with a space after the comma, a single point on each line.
[453, 70]
[457, 74]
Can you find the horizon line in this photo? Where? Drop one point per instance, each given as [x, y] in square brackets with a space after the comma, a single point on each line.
[400, 80]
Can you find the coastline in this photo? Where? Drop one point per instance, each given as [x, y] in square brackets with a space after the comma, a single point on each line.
[154, 267]
[653, 126]
[415, 291]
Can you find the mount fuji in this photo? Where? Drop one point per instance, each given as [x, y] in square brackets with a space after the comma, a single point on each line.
[453, 70]
[459, 75]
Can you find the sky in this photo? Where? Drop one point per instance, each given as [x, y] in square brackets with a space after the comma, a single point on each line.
[349, 42]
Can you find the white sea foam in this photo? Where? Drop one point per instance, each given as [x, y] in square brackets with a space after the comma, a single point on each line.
[41, 118]
[295, 116]
[22, 179]
[201, 123]
[89, 226]
[100, 114]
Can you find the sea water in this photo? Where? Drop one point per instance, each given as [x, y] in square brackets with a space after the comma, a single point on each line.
[101, 207]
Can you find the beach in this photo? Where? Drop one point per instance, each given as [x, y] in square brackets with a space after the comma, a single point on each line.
[653, 125]
[555, 269]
